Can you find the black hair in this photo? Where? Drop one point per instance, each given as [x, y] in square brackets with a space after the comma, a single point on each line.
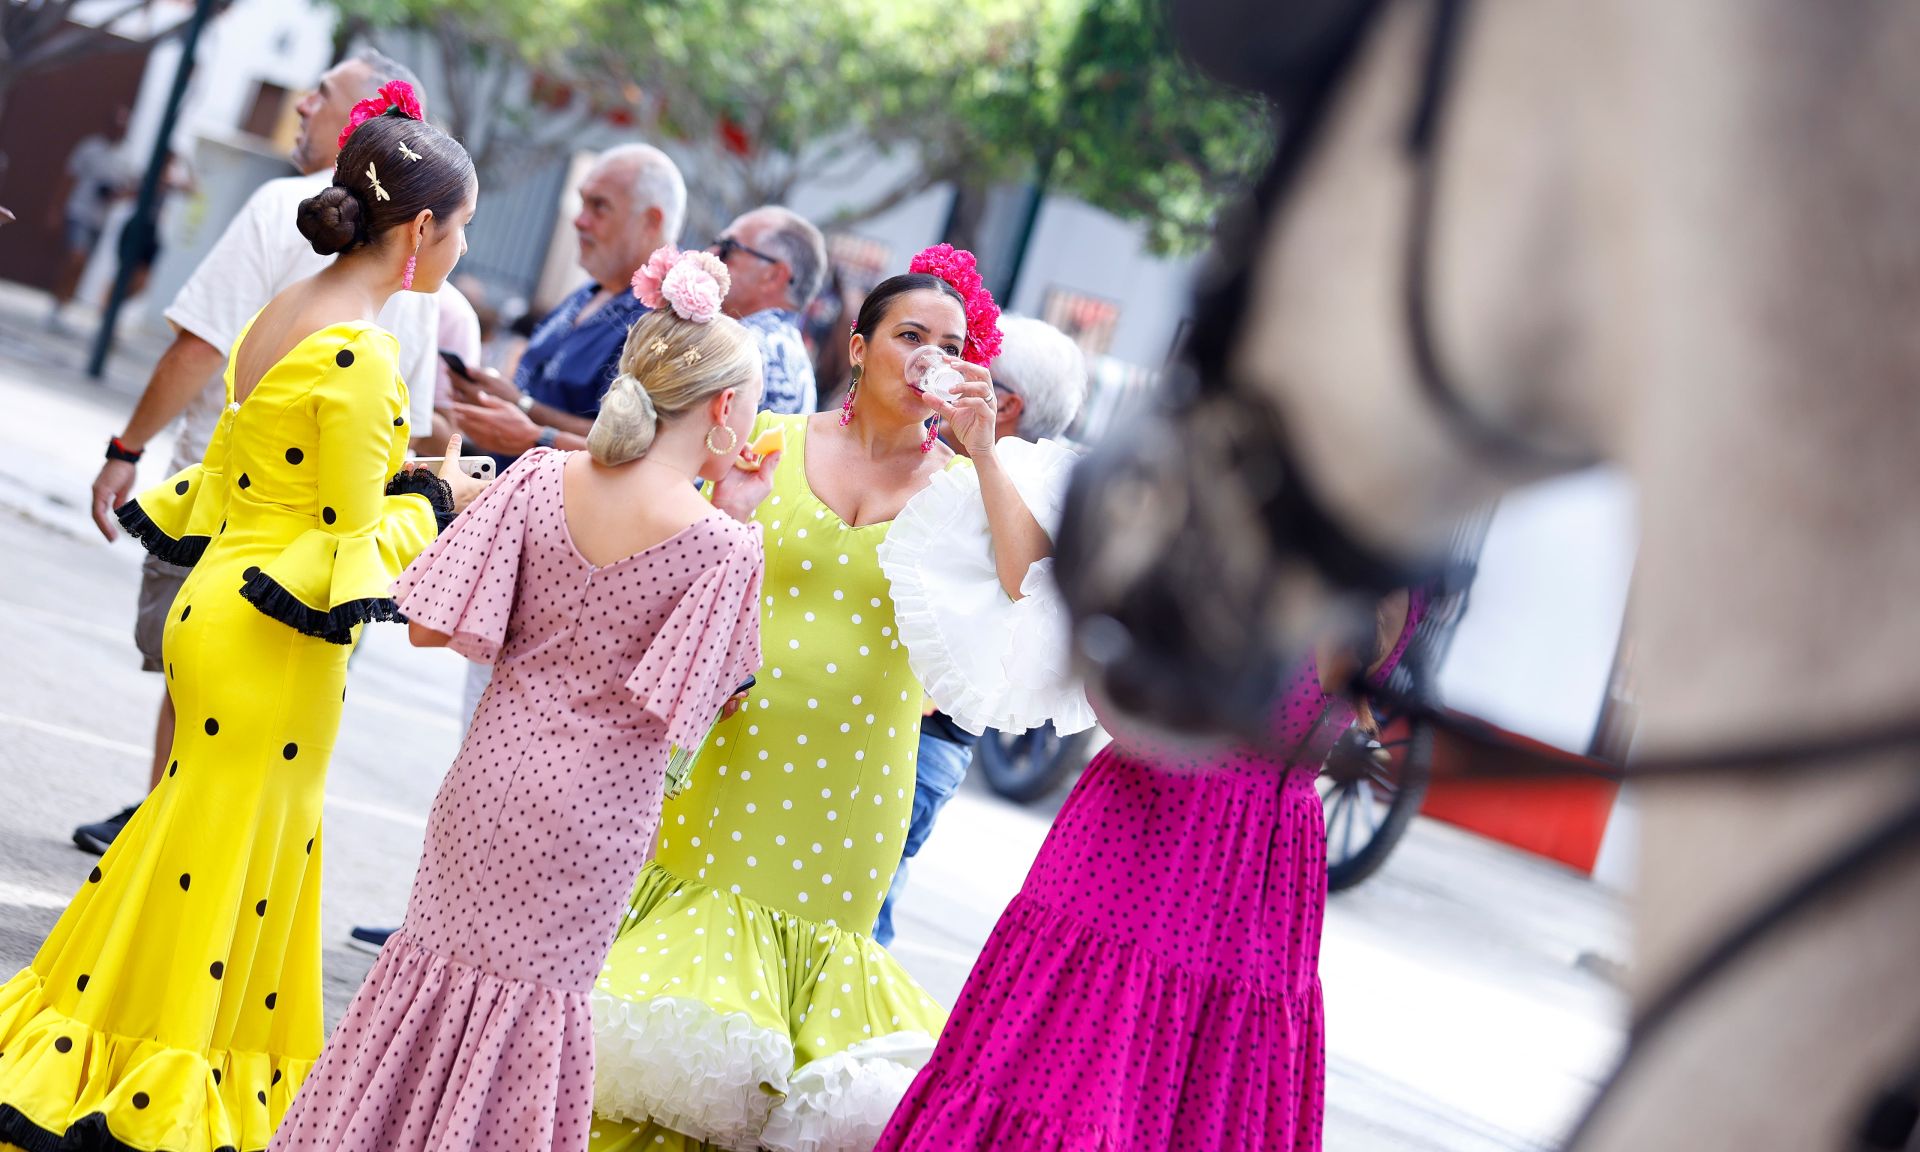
[352, 212]
[874, 308]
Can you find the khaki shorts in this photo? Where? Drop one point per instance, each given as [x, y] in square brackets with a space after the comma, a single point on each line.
[159, 583]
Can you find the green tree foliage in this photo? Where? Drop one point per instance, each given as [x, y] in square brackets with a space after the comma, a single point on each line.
[1083, 96]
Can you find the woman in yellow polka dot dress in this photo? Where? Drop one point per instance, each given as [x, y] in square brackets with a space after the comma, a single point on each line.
[743, 1005]
[176, 1004]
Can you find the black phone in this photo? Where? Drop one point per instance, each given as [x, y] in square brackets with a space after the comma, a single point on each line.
[745, 686]
[456, 365]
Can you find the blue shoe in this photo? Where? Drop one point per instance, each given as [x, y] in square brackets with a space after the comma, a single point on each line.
[97, 838]
[369, 940]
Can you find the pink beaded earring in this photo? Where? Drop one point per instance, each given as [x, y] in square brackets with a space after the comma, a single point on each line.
[933, 433]
[846, 406]
[406, 277]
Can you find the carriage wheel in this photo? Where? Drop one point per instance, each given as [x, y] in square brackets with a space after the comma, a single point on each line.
[1369, 794]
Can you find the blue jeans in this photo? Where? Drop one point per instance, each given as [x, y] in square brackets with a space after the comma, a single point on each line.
[940, 767]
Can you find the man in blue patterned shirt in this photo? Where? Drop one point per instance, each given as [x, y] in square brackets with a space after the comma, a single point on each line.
[778, 261]
[632, 201]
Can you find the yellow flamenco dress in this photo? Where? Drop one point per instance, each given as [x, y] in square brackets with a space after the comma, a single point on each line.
[176, 1005]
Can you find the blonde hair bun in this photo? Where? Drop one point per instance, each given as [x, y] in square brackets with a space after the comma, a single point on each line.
[669, 366]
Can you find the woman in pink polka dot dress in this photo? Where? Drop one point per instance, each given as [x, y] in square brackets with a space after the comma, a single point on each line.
[619, 610]
[1155, 984]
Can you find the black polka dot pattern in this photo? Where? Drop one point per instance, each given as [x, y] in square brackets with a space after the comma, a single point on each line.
[213, 726]
[140, 1100]
[245, 481]
[218, 970]
[81, 984]
[290, 751]
[180, 489]
[344, 358]
[327, 515]
[494, 890]
[93, 877]
[186, 612]
[1177, 903]
[294, 455]
[63, 1045]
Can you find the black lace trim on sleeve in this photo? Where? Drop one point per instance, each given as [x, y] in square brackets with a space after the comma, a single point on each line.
[335, 627]
[184, 552]
[418, 482]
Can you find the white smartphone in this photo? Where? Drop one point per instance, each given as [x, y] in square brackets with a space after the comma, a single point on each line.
[478, 467]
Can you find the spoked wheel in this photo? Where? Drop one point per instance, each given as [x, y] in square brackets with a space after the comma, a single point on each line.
[1026, 767]
[1369, 792]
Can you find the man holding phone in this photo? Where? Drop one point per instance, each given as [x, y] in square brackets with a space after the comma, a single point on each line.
[632, 201]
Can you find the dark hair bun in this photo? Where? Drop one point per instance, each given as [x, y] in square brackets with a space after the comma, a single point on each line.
[333, 220]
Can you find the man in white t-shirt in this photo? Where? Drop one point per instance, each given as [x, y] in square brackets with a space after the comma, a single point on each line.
[259, 255]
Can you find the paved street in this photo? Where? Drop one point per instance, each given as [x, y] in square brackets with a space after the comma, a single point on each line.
[1460, 1017]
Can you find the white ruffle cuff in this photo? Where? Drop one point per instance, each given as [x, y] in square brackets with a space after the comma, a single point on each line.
[986, 660]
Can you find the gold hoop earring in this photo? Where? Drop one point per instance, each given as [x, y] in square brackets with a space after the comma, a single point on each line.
[733, 439]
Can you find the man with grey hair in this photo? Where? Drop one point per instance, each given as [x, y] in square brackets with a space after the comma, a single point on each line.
[777, 261]
[632, 201]
[259, 254]
[1040, 382]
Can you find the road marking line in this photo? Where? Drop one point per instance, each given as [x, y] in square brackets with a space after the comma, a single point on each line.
[364, 808]
[76, 735]
[21, 896]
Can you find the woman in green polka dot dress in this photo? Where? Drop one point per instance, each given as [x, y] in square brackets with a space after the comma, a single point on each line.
[743, 1006]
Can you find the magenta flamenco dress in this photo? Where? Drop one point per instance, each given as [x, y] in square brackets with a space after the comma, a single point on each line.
[1155, 984]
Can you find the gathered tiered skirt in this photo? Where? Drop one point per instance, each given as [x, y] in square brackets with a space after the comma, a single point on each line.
[1154, 985]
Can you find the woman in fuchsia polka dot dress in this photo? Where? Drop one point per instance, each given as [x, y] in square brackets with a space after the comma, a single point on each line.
[1155, 984]
[619, 610]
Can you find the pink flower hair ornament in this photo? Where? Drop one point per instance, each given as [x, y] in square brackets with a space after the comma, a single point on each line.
[393, 94]
[957, 267]
[692, 284]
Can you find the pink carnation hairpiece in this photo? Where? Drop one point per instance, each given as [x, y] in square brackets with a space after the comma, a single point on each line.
[957, 267]
[693, 284]
[393, 94]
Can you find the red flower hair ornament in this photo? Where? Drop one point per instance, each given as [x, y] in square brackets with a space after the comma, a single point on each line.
[393, 94]
[957, 267]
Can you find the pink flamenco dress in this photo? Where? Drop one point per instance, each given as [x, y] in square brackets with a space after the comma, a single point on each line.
[472, 1031]
[1155, 984]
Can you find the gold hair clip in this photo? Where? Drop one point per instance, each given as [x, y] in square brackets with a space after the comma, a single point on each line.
[378, 191]
[692, 356]
[408, 152]
[659, 347]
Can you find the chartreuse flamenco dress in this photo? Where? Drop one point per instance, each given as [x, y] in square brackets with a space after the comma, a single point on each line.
[743, 1004]
[176, 1005]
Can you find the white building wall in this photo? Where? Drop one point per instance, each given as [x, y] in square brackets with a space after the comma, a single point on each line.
[1085, 250]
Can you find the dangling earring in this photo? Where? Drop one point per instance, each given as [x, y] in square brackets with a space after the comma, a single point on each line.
[406, 277]
[846, 406]
[733, 439]
[933, 433]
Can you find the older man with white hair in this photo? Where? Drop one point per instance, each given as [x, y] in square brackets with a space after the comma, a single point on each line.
[632, 201]
[777, 260]
[1040, 381]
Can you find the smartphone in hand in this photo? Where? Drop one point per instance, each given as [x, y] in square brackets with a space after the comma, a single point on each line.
[478, 467]
[455, 364]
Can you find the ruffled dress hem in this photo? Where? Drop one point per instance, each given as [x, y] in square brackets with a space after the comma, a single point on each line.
[127, 1082]
[1175, 1015]
[715, 1061]
[425, 1030]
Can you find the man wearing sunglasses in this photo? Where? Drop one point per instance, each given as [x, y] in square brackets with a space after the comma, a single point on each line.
[778, 261]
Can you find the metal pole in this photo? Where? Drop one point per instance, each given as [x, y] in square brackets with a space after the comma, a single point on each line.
[137, 236]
